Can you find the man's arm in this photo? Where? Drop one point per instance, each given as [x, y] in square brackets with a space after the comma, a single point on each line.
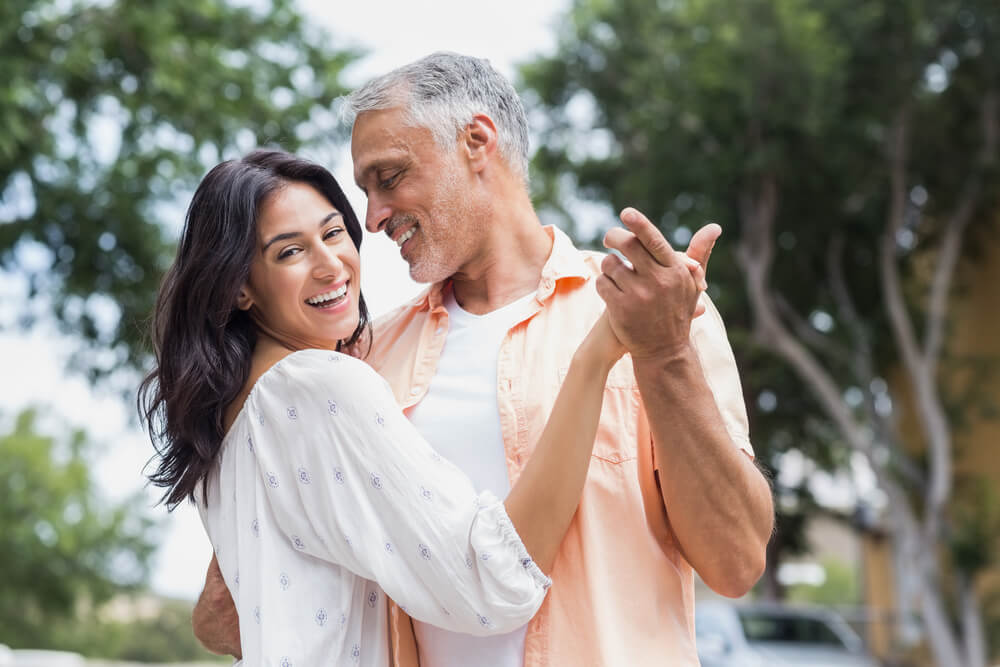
[719, 504]
[215, 621]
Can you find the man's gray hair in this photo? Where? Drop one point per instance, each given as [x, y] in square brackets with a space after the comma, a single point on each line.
[443, 92]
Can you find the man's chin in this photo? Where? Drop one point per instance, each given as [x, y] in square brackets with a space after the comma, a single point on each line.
[420, 272]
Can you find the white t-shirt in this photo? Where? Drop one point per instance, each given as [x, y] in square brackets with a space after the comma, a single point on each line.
[324, 495]
[460, 418]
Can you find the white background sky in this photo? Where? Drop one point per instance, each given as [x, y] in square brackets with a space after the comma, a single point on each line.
[394, 33]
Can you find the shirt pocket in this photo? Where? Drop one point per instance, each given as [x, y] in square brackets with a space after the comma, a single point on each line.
[616, 432]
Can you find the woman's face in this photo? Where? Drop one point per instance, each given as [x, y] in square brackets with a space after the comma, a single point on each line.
[305, 279]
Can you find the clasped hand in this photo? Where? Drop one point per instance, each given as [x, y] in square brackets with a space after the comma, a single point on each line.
[651, 304]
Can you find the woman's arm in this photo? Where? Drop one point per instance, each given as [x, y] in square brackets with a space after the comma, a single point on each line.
[542, 502]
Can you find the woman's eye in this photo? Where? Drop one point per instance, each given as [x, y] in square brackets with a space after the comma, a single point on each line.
[333, 233]
[287, 252]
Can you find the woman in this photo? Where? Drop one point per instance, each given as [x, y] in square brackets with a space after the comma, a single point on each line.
[316, 492]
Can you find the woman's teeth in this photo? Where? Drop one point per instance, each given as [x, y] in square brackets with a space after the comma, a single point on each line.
[405, 236]
[328, 297]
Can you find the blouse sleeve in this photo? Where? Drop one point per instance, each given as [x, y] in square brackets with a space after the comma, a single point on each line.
[351, 482]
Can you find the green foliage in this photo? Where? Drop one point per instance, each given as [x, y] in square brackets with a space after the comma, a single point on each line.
[63, 549]
[690, 109]
[111, 113]
[160, 633]
[840, 588]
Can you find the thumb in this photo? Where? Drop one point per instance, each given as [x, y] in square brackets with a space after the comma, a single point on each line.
[703, 242]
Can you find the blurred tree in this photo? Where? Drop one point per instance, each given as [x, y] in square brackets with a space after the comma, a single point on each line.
[111, 112]
[849, 148]
[63, 549]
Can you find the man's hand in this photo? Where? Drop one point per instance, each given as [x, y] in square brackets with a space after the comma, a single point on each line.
[651, 304]
[215, 621]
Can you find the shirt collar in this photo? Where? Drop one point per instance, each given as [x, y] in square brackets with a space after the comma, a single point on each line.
[564, 261]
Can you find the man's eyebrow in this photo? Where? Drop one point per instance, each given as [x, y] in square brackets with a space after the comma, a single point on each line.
[292, 235]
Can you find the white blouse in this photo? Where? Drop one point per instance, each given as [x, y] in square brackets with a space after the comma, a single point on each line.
[325, 499]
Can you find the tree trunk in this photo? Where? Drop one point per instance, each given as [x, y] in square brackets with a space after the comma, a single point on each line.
[972, 622]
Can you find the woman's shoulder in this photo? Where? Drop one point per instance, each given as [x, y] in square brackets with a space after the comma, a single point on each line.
[317, 369]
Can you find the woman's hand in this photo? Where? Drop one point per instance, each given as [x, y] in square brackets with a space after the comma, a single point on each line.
[601, 346]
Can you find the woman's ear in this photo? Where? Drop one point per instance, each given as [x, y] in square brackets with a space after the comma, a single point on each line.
[243, 300]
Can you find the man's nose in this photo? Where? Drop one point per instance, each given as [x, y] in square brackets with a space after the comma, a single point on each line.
[376, 216]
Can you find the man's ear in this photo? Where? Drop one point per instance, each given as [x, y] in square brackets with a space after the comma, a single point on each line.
[480, 141]
[243, 299]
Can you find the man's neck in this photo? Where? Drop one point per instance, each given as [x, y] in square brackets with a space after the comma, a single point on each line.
[514, 251]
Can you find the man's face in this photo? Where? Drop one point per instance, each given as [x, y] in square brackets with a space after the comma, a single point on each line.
[419, 194]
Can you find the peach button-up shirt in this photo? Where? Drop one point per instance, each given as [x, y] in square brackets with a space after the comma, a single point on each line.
[622, 593]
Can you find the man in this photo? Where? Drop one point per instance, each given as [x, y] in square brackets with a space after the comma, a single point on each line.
[440, 148]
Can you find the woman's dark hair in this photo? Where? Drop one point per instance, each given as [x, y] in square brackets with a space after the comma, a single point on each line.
[202, 341]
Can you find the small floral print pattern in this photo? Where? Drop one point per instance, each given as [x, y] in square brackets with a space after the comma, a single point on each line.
[272, 480]
[335, 358]
[376, 481]
[292, 413]
[388, 547]
[256, 614]
[332, 407]
[379, 419]
[250, 444]
[425, 551]
[525, 563]
[468, 562]
[255, 528]
[338, 475]
[304, 476]
[426, 494]
[372, 599]
[284, 581]
[298, 543]
[285, 662]
[237, 579]
[321, 617]
[356, 653]
[486, 555]
[483, 621]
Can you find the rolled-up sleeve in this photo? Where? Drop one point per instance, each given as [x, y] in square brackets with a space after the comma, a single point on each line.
[351, 482]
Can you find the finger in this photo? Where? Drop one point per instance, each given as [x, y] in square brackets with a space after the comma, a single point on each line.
[621, 241]
[703, 241]
[696, 270]
[607, 289]
[699, 308]
[617, 271]
[651, 238]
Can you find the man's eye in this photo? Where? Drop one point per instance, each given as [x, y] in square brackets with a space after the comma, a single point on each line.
[391, 181]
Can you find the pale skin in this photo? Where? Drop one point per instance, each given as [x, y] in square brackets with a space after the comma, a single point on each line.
[719, 504]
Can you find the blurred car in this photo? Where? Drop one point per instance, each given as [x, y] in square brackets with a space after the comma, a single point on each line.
[752, 635]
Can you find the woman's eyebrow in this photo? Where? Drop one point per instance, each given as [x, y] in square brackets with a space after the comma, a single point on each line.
[291, 235]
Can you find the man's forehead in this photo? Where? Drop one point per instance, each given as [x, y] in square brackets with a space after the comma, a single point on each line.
[384, 138]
